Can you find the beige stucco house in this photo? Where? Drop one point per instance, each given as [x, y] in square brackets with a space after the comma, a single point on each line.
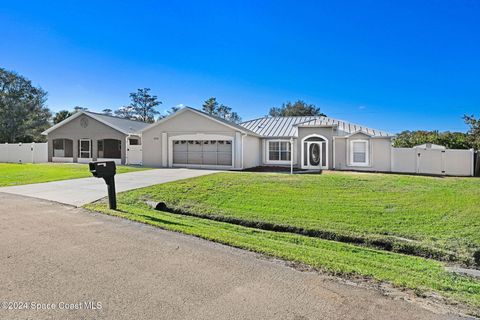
[87, 136]
[192, 138]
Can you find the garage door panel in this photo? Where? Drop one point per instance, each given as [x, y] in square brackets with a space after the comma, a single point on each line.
[194, 146]
[210, 158]
[180, 146]
[224, 146]
[224, 158]
[202, 152]
[210, 146]
[194, 157]
[180, 157]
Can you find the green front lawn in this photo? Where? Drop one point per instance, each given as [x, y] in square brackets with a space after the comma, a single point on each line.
[441, 213]
[424, 276]
[437, 213]
[12, 174]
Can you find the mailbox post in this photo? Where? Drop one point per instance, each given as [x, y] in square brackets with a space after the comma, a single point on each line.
[106, 170]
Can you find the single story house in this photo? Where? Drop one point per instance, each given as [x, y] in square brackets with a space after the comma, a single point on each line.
[87, 136]
[192, 138]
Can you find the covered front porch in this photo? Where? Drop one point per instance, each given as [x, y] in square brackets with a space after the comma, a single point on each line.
[84, 150]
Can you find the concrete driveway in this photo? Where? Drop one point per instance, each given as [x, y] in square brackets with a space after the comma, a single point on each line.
[56, 255]
[78, 192]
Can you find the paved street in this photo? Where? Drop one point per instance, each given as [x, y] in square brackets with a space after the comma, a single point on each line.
[78, 192]
[61, 255]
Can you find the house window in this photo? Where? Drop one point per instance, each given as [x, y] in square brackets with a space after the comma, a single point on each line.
[279, 151]
[63, 148]
[109, 149]
[134, 142]
[359, 152]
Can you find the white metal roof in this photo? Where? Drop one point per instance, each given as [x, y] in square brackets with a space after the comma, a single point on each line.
[288, 126]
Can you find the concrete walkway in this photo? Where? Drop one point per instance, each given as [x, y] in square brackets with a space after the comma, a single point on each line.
[78, 192]
[52, 254]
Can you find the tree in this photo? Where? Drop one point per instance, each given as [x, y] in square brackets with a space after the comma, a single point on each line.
[23, 114]
[78, 108]
[143, 105]
[298, 108]
[169, 112]
[61, 115]
[107, 111]
[451, 140]
[473, 131]
[126, 112]
[173, 110]
[211, 106]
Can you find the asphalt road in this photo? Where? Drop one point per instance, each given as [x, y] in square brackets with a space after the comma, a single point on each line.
[62, 256]
[78, 192]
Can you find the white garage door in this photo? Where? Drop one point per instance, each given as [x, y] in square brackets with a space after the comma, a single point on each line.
[202, 152]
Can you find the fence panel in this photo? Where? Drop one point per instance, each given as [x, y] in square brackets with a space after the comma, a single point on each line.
[24, 152]
[459, 162]
[433, 161]
[404, 160]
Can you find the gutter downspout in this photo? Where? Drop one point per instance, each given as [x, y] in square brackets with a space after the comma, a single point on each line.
[291, 155]
[333, 151]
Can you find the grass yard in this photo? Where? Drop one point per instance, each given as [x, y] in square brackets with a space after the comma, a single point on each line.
[431, 213]
[439, 212]
[13, 174]
[424, 276]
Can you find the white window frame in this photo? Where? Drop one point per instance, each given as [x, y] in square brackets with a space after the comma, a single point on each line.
[367, 153]
[279, 141]
[303, 166]
[89, 149]
[63, 148]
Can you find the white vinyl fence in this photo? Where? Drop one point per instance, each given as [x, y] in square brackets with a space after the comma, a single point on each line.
[449, 162]
[24, 152]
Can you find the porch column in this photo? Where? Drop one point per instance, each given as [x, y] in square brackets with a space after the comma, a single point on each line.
[94, 149]
[165, 147]
[75, 150]
[238, 151]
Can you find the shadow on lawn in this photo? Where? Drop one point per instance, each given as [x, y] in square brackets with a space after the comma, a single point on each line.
[158, 220]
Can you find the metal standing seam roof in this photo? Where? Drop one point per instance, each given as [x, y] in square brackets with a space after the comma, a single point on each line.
[287, 126]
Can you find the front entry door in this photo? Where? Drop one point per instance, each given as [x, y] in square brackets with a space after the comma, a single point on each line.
[85, 148]
[314, 152]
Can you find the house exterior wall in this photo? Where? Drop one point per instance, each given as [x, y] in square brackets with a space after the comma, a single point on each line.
[157, 139]
[252, 151]
[379, 153]
[94, 131]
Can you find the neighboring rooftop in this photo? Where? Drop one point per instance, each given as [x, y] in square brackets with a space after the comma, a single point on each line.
[287, 126]
[125, 125]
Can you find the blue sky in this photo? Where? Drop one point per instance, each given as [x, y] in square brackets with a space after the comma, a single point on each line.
[392, 65]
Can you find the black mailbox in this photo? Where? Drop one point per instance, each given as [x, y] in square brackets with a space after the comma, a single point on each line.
[106, 170]
[102, 169]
